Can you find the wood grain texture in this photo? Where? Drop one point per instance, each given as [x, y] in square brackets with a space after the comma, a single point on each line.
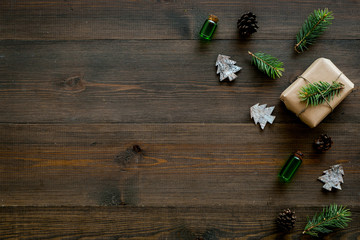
[165, 19]
[113, 124]
[154, 81]
[156, 223]
[179, 165]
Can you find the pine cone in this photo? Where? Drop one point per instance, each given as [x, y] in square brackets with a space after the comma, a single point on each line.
[247, 24]
[286, 220]
[323, 143]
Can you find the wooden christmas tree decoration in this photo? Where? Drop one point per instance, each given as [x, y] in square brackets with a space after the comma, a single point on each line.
[333, 177]
[226, 68]
[262, 114]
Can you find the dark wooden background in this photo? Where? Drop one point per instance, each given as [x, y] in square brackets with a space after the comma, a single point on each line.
[82, 82]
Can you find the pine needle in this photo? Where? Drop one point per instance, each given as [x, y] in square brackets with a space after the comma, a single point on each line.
[331, 217]
[315, 93]
[267, 64]
[316, 23]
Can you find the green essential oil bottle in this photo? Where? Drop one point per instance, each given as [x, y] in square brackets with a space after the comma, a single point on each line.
[209, 27]
[290, 167]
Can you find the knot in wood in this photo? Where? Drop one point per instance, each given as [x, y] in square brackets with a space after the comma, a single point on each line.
[74, 84]
[136, 148]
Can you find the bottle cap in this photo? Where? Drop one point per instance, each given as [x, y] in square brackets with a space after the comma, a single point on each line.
[213, 18]
[299, 154]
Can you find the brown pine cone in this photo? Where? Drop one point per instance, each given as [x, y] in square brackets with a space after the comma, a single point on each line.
[323, 143]
[247, 24]
[286, 220]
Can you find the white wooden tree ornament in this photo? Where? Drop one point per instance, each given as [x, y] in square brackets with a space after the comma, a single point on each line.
[333, 177]
[262, 114]
[226, 68]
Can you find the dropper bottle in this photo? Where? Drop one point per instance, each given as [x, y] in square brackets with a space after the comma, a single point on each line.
[209, 27]
[291, 166]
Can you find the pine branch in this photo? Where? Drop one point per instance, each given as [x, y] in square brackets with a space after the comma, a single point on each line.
[267, 64]
[333, 216]
[316, 23]
[314, 93]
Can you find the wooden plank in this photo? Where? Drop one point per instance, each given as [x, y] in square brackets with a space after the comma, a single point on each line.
[74, 20]
[246, 222]
[114, 125]
[154, 81]
[179, 164]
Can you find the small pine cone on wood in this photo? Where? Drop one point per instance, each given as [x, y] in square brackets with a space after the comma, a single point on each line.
[323, 143]
[286, 220]
[247, 24]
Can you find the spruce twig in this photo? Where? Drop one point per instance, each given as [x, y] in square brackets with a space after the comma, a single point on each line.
[316, 23]
[316, 93]
[267, 64]
[331, 217]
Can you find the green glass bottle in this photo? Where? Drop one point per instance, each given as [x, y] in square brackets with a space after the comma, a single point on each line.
[290, 167]
[209, 27]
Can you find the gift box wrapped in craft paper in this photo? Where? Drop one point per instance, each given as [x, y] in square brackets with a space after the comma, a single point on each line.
[321, 70]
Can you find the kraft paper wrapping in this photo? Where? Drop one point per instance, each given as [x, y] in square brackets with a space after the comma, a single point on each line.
[320, 70]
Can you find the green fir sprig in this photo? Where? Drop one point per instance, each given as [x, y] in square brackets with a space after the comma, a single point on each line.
[316, 93]
[316, 23]
[331, 217]
[267, 64]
